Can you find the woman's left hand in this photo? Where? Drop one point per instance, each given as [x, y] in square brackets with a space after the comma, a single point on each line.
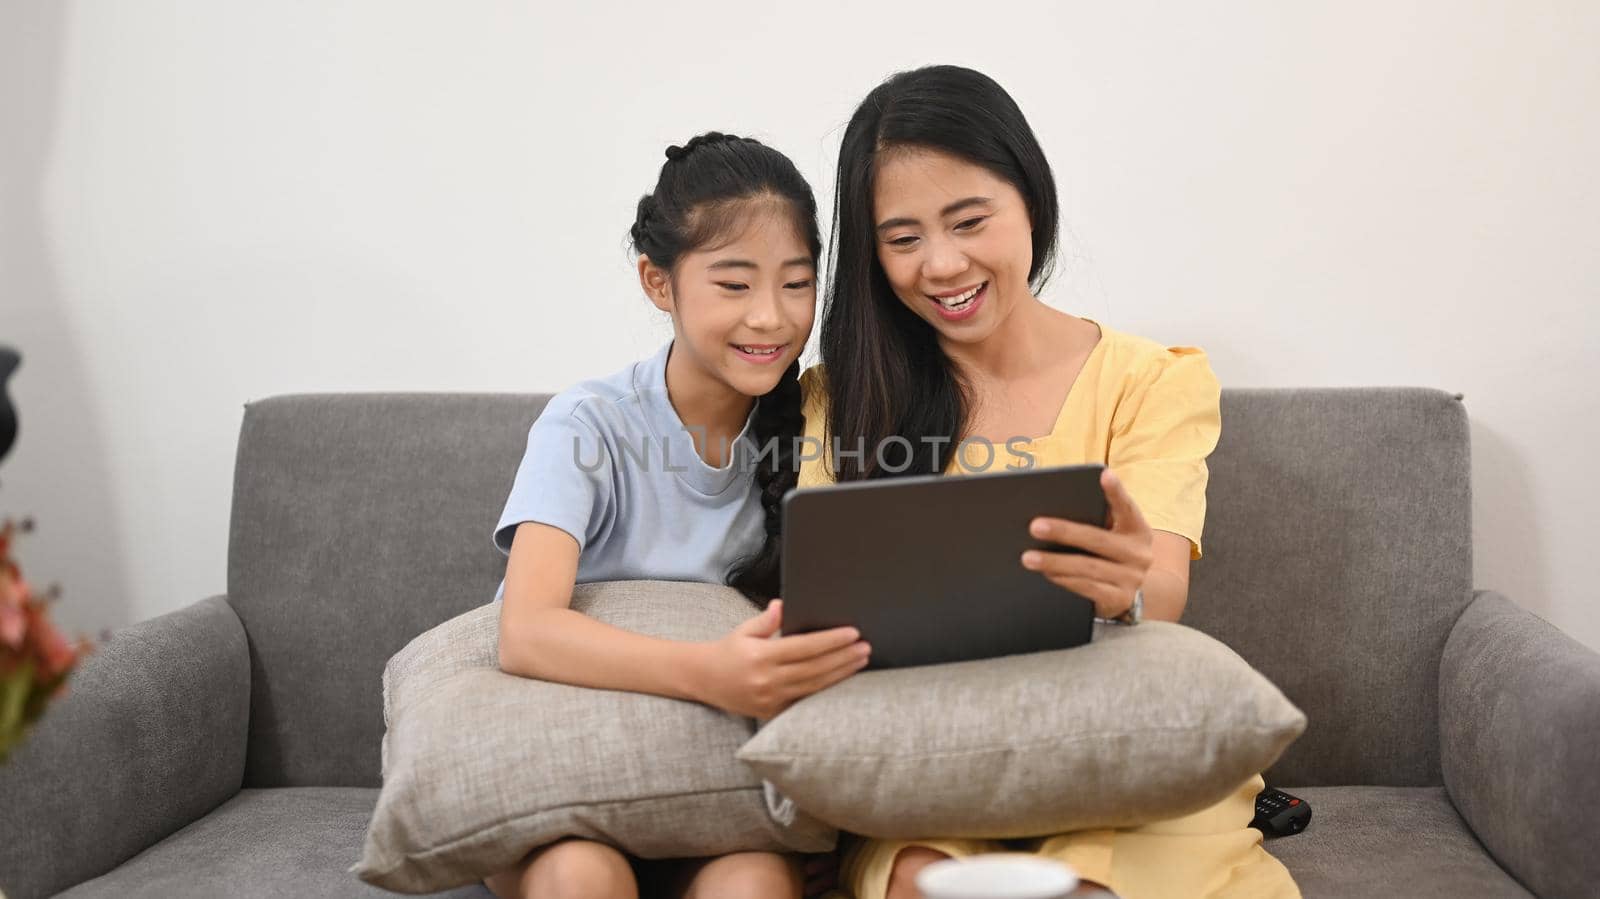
[1122, 552]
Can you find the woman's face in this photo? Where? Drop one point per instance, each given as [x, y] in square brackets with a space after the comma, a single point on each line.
[742, 311]
[954, 240]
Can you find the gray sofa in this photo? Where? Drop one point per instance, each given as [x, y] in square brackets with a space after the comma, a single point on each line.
[231, 748]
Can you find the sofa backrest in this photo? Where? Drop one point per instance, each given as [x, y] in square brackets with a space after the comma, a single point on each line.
[1338, 554]
[1337, 539]
[359, 521]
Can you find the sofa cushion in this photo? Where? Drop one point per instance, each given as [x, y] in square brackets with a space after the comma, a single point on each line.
[1389, 841]
[1142, 724]
[261, 844]
[481, 766]
[1363, 841]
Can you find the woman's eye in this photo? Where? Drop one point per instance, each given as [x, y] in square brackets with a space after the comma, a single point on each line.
[969, 224]
[798, 285]
[732, 285]
[905, 241]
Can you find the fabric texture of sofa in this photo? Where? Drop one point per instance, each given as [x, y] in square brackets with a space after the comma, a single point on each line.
[232, 748]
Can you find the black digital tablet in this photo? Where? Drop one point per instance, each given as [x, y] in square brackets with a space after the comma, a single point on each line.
[929, 568]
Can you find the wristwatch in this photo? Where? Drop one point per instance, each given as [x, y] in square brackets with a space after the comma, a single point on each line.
[1135, 613]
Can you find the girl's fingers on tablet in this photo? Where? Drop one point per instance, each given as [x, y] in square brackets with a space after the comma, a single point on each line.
[828, 661]
[829, 677]
[798, 647]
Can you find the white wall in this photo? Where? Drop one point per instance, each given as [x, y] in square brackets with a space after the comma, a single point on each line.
[210, 202]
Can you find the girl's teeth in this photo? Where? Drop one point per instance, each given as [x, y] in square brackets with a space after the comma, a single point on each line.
[755, 352]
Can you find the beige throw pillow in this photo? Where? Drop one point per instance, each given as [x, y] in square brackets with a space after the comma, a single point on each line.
[480, 766]
[1142, 724]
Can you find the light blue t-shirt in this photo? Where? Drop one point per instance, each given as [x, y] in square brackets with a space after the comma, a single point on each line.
[610, 462]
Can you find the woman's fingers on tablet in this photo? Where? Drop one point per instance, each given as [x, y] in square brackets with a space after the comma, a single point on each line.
[1077, 565]
[1109, 600]
[1132, 552]
[1071, 533]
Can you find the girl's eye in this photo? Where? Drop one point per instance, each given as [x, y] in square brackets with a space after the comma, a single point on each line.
[905, 241]
[969, 224]
[798, 285]
[732, 285]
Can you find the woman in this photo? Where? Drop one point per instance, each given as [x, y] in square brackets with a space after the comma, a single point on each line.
[945, 230]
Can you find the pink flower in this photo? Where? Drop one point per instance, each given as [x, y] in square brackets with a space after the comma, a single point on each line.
[13, 624]
[27, 636]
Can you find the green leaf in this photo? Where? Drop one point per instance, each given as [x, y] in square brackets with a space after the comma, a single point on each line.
[14, 690]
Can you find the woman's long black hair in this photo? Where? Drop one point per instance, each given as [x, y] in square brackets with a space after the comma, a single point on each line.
[701, 197]
[887, 375]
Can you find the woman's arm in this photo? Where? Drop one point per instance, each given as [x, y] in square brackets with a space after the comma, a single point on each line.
[1166, 585]
[542, 636]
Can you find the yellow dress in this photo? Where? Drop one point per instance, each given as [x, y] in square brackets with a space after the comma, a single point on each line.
[1151, 413]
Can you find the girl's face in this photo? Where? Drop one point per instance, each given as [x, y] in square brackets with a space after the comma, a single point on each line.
[954, 240]
[742, 311]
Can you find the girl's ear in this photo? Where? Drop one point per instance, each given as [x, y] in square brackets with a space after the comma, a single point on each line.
[656, 283]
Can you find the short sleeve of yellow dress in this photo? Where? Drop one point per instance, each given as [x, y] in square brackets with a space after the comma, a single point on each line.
[1151, 413]
[1159, 411]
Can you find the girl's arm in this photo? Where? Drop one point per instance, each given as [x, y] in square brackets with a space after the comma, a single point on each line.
[542, 636]
[746, 672]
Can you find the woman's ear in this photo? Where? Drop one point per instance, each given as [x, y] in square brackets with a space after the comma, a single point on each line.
[656, 283]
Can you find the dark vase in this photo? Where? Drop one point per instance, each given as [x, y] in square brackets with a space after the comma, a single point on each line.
[9, 360]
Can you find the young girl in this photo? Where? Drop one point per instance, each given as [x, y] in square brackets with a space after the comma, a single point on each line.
[651, 473]
[934, 333]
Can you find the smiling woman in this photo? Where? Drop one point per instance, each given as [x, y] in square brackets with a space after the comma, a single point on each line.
[934, 335]
[904, 176]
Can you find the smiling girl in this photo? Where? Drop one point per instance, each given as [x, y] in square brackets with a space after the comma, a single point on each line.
[651, 474]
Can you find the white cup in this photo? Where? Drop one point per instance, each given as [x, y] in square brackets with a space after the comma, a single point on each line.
[997, 875]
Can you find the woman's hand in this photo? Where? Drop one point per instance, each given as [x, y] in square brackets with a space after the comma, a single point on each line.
[750, 673]
[1122, 552]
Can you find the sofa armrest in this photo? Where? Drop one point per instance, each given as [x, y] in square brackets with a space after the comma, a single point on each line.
[150, 736]
[1519, 720]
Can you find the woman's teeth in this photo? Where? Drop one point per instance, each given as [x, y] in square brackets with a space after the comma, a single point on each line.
[959, 301]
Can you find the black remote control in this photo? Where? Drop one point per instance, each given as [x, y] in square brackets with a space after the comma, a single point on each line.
[1278, 814]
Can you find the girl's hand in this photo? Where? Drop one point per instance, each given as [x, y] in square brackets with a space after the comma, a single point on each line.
[750, 673]
[1122, 552]
[821, 873]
